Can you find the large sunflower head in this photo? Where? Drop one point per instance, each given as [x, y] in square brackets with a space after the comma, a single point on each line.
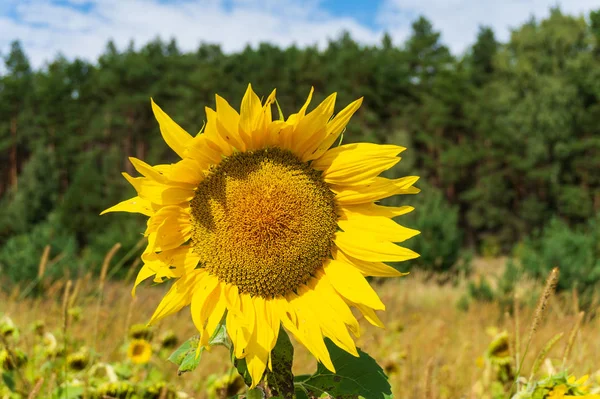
[265, 222]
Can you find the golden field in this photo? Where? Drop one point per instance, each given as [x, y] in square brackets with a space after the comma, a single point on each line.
[431, 347]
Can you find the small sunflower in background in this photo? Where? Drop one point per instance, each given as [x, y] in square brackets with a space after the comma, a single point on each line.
[141, 331]
[79, 360]
[264, 221]
[168, 340]
[139, 351]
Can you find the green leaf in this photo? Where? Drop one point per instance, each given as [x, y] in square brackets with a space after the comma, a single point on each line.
[68, 392]
[354, 377]
[9, 380]
[255, 393]
[242, 368]
[220, 336]
[281, 117]
[281, 379]
[185, 356]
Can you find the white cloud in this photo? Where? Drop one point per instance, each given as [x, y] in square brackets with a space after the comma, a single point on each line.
[46, 28]
[459, 20]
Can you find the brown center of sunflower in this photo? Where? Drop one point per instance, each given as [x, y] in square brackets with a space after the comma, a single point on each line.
[138, 349]
[263, 221]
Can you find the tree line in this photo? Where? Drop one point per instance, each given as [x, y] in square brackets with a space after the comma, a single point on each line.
[507, 133]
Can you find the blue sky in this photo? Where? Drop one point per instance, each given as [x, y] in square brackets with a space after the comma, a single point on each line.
[81, 28]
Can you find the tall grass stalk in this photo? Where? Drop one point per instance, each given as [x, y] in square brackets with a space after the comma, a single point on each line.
[544, 352]
[572, 335]
[103, 274]
[540, 309]
[115, 269]
[65, 315]
[428, 383]
[517, 334]
[41, 271]
[43, 262]
[36, 389]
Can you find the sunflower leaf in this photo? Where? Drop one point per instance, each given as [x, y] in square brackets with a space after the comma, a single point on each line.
[255, 393]
[281, 117]
[242, 368]
[281, 380]
[354, 377]
[185, 356]
[9, 380]
[220, 336]
[188, 355]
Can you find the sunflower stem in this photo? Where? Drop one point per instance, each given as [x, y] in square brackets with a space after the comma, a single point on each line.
[279, 382]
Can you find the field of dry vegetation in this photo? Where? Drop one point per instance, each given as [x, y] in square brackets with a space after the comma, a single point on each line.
[431, 348]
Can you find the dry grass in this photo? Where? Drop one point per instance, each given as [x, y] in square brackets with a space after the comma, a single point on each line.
[430, 347]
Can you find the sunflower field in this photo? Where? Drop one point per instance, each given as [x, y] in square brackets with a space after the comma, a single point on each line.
[297, 224]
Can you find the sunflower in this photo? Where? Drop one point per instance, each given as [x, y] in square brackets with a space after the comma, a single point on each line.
[139, 351]
[263, 224]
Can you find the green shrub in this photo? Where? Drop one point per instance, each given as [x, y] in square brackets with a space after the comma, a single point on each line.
[575, 251]
[126, 229]
[440, 241]
[481, 291]
[20, 255]
[36, 197]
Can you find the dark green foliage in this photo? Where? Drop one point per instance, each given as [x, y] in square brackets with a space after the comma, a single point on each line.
[481, 290]
[38, 193]
[507, 135]
[440, 241]
[20, 255]
[575, 251]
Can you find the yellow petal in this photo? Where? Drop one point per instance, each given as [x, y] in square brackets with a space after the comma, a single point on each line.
[310, 129]
[175, 137]
[369, 314]
[158, 193]
[370, 250]
[355, 152]
[267, 107]
[250, 116]
[294, 119]
[334, 129]
[273, 134]
[261, 343]
[355, 163]
[133, 205]
[371, 209]
[144, 273]
[202, 149]
[307, 329]
[375, 269]
[178, 296]
[188, 171]
[351, 284]
[147, 170]
[204, 299]
[378, 189]
[241, 321]
[319, 295]
[172, 225]
[176, 261]
[378, 228]
[211, 132]
[234, 330]
[228, 121]
[215, 315]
